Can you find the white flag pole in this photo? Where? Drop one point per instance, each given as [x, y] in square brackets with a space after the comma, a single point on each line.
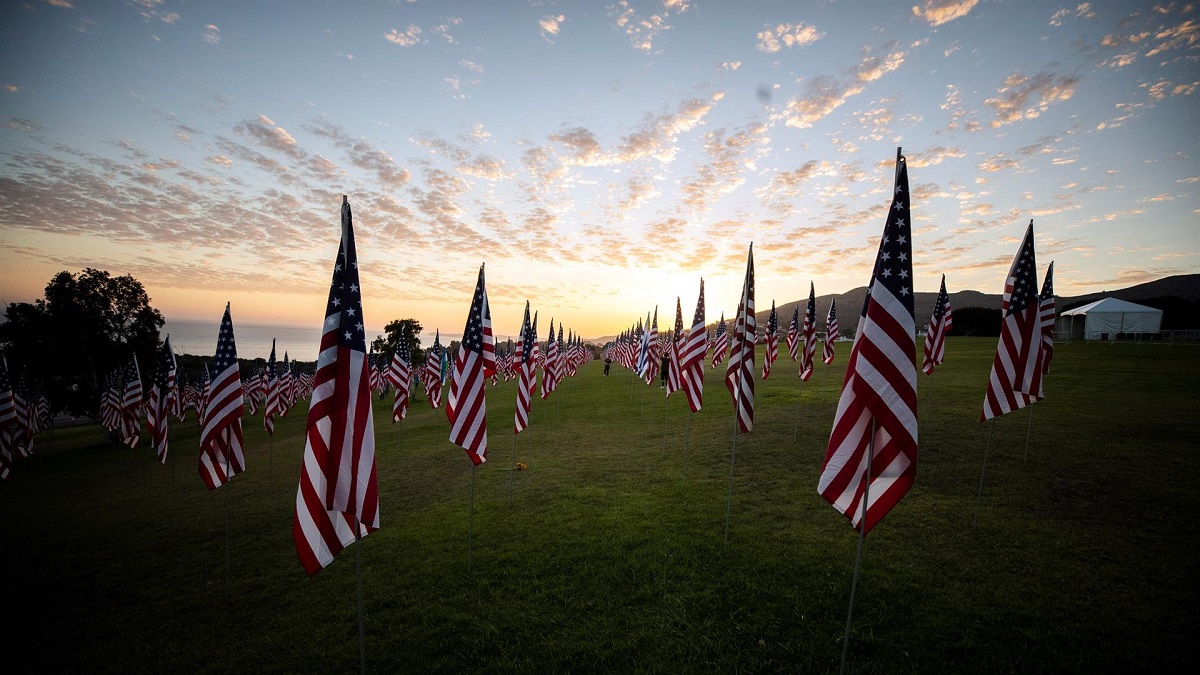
[862, 535]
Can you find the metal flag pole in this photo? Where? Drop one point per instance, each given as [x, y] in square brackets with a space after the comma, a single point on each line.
[271, 457]
[666, 410]
[687, 438]
[983, 471]
[399, 437]
[1028, 434]
[471, 525]
[362, 645]
[513, 472]
[732, 461]
[862, 535]
[796, 424]
[228, 482]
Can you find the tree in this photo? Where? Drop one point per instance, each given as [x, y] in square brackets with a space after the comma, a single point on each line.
[87, 325]
[385, 347]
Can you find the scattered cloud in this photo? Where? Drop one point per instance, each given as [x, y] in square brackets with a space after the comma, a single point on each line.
[264, 131]
[550, 26]
[643, 31]
[772, 39]
[823, 94]
[211, 35]
[1023, 97]
[21, 124]
[938, 12]
[406, 38]
[1081, 11]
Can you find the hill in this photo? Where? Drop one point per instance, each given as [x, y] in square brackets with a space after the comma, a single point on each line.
[1185, 286]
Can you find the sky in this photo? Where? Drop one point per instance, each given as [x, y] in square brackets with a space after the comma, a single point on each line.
[599, 157]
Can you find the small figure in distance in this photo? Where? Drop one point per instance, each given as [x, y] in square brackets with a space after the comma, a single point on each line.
[607, 363]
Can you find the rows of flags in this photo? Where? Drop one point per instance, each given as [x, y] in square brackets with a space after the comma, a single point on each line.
[870, 459]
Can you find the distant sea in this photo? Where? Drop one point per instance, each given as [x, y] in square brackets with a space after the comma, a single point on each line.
[253, 342]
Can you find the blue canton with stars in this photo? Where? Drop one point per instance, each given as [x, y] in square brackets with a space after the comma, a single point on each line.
[773, 321]
[893, 266]
[226, 349]
[402, 350]
[939, 307]
[473, 333]
[1023, 277]
[344, 309]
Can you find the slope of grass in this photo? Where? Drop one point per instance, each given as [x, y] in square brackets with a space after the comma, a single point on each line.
[610, 557]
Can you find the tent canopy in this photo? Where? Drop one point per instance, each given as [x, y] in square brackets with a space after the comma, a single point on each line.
[1104, 319]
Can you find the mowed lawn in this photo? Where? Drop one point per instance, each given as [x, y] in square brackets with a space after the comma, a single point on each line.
[609, 556]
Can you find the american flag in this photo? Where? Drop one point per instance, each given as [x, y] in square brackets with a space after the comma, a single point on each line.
[9, 422]
[431, 375]
[526, 367]
[808, 335]
[287, 395]
[831, 332]
[739, 373]
[373, 371]
[337, 500]
[202, 399]
[793, 335]
[110, 403]
[935, 336]
[252, 391]
[691, 360]
[475, 362]
[400, 375]
[653, 354]
[221, 440]
[880, 389]
[273, 400]
[131, 404]
[674, 381]
[645, 357]
[159, 409]
[721, 343]
[1047, 311]
[772, 350]
[1015, 381]
[550, 367]
[561, 371]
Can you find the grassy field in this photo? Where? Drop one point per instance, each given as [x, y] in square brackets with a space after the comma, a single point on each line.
[609, 559]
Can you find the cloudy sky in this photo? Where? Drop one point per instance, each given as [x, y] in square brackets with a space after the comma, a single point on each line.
[600, 157]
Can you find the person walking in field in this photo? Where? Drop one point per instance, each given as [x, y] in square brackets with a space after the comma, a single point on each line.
[607, 363]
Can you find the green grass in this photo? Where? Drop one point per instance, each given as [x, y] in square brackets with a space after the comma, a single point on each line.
[1083, 560]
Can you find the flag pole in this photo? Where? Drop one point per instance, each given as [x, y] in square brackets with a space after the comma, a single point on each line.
[686, 440]
[862, 535]
[471, 525]
[227, 484]
[979, 496]
[362, 645]
[732, 461]
[796, 424]
[666, 409]
[1028, 433]
[513, 472]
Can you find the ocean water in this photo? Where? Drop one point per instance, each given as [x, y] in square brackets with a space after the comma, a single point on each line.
[253, 342]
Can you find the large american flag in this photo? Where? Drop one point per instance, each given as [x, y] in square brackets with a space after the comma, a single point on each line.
[772, 349]
[674, 381]
[739, 373]
[287, 394]
[1015, 381]
[400, 375]
[431, 374]
[274, 401]
[221, 438]
[808, 335]
[831, 333]
[525, 361]
[691, 360]
[1047, 311]
[110, 403]
[721, 343]
[466, 408]
[880, 389]
[793, 335]
[935, 336]
[644, 355]
[338, 496]
[653, 353]
[159, 409]
[131, 404]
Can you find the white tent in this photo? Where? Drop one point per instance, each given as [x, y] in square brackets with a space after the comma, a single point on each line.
[1104, 319]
